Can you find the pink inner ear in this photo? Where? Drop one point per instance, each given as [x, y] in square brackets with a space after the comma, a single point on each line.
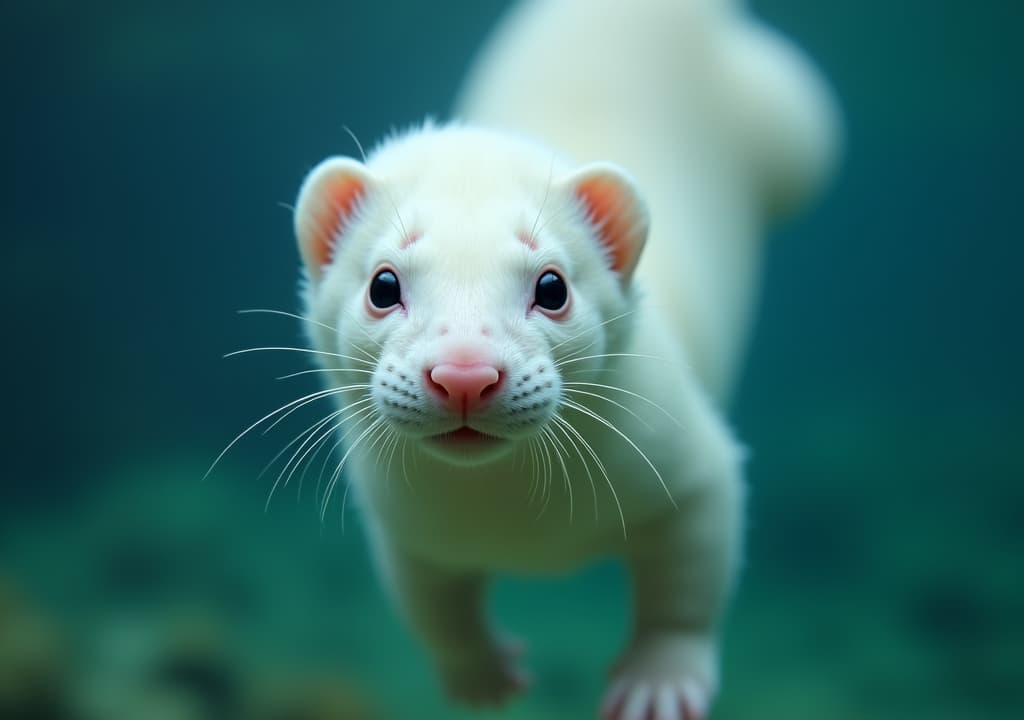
[340, 196]
[613, 219]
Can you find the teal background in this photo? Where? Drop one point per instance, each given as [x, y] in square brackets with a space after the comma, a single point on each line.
[147, 148]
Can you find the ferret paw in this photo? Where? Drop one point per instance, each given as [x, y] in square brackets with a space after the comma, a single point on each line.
[487, 678]
[670, 677]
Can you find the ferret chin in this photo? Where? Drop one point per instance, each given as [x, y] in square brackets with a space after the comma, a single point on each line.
[531, 321]
[466, 446]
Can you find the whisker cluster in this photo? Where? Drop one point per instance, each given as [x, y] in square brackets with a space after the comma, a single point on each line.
[551, 448]
[550, 451]
[358, 414]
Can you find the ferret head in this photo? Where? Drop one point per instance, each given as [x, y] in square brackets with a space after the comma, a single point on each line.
[458, 277]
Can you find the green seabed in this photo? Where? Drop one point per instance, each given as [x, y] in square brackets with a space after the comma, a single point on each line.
[860, 598]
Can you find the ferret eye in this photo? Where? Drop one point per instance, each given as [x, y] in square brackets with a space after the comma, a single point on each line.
[551, 292]
[384, 290]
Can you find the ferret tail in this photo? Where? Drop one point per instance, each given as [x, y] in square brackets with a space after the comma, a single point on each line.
[617, 81]
[723, 123]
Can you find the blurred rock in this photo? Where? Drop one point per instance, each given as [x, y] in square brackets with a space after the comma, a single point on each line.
[186, 667]
[197, 663]
[156, 666]
[310, 698]
[32, 666]
[174, 599]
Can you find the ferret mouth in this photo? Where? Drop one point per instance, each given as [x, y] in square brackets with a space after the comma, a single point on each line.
[465, 435]
[466, 446]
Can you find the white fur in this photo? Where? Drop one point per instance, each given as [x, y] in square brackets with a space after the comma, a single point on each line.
[719, 127]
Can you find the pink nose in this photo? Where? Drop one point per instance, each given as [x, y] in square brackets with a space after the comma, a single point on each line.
[464, 387]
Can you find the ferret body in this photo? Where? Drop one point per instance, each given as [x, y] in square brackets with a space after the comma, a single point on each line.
[523, 386]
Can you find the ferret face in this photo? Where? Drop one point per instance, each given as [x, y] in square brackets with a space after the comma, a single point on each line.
[460, 281]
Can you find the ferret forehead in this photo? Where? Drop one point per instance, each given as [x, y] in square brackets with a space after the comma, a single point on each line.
[462, 159]
[484, 238]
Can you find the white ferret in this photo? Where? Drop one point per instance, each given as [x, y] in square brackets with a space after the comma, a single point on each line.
[533, 320]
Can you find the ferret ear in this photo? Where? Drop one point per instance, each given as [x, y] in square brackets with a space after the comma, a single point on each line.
[328, 199]
[613, 205]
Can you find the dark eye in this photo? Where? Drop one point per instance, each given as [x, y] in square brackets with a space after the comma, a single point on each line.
[551, 292]
[384, 290]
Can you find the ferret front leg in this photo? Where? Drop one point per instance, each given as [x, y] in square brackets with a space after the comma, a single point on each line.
[682, 566]
[446, 610]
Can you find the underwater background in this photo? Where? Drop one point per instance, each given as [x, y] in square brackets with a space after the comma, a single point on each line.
[148, 148]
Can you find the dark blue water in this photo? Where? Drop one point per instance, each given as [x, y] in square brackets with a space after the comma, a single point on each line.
[147, 149]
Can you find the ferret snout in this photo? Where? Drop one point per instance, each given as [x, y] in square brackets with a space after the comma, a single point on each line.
[464, 387]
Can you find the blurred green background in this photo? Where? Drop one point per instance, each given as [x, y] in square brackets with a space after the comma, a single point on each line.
[146, 149]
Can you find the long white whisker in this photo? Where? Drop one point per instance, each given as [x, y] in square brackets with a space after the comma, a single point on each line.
[583, 460]
[393, 440]
[374, 426]
[310, 433]
[332, 483]
[312, 429]
[311, 321]
[379, 428]
[548, 475]
[638, 396]
[335, 391]
[579, 351]
[590, 413]
[535, 482]
[321, 441]
[356, 418]
[383, 438]
[323, 370]
[551, 218]
[405, 472]
[576, 391]
[600, 466]
[589, 328]
[610, 355]
[284, 313]
[359, 145]
[544, 201]
[556, 443]
[298, 350]
[295, 464]
[316, 395]
[318, 445]
[362, 152]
